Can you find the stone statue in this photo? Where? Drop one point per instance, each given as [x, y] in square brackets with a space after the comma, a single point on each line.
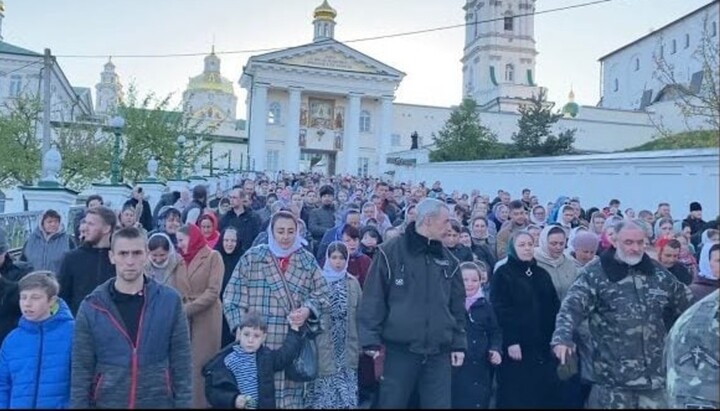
[51, 164]
[152, 168]
[414, 137]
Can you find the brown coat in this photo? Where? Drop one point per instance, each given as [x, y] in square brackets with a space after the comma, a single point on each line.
[199, 286]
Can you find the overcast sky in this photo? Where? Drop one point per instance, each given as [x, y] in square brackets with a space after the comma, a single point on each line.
[569, 42]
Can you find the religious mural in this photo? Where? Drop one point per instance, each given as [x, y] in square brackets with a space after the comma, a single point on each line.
[304, 115]
[322, 113]
[338, 140]
[303, 138]
[339, 118]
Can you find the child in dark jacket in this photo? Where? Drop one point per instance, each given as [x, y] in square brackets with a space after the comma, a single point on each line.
[472, 382]
[35, 357]
[242, 374]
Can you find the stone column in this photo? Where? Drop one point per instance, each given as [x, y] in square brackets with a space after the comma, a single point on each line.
[384, 132]
[292, 146]
[351, 145]
[258, 125]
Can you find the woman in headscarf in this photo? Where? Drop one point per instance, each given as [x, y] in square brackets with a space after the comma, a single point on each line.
[409, 215]
[663, 229]
[337, 382]
[708, 278]
[481, 237]
[370, 239]
[164, 264]
[230, 251]
[708, 236]
[538, 216]
[526, 304]
[499, 216]
[555, 213]
[281, 281]
[209, 226]
[200, 290]
[371, 212]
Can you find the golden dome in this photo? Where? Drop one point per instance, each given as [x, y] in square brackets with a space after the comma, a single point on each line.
[2, 6]
[211, 81]
[324, 12]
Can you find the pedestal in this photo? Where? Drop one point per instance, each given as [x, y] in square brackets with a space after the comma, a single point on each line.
[178, 185]
[57, 198]
[153, 190]
[114, 195]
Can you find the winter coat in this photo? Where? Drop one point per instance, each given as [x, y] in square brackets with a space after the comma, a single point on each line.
[47, 253]
[221, 387]
[696, 225]
[321, 220]
[81, 271]
[35, 362]
[110, 371]
[326, 358]
[701, 287]
[472, 382]
[10, 273]
[414, 297]
[167, 276]
[257, 284]
[359, 266]
[503, 237]
[199, 285]
[247, 224]
[626, 307]
[681, 273]
[562, 273]
[462, 253]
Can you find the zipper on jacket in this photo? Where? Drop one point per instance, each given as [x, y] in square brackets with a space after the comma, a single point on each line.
[134, 361]
[39, 368]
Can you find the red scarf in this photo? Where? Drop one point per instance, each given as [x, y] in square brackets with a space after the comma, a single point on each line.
[213, 238]
[196, 243]
[284, 263]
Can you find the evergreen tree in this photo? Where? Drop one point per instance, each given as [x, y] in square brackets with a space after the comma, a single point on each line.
[464, 138]
[535, 137]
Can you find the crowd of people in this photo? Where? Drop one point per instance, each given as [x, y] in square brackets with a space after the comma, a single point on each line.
[308, 291]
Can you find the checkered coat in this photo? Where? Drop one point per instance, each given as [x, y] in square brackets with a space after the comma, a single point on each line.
[257, 285]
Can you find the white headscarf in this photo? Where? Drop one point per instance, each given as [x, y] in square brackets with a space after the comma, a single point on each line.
[543, 251]
[280, 252]
[704, 263]
[331, 275]
[171, 252]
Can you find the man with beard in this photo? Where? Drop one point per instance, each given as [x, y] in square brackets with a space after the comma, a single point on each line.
[86, 267]
[131, 344]
[625, 296]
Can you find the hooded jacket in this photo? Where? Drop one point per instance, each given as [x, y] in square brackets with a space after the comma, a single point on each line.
[47, 252]
[626, 307]
[111, 371]
[414, 297]
[35, 362]
[81, 271]
[10, 273]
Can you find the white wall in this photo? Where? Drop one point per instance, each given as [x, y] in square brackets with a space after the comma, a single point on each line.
[639, 180]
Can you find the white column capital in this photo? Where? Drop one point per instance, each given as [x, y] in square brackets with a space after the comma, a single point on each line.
[296, 89]
[387, 98]
[261, 86]
[354, 94]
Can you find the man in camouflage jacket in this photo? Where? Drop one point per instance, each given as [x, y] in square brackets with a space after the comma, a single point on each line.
[692, 356]
[623, 295]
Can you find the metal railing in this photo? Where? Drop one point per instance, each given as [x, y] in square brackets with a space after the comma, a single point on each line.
[18, 227]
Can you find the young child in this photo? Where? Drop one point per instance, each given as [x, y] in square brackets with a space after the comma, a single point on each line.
[35, 357]
[241, 374]
[472, 382]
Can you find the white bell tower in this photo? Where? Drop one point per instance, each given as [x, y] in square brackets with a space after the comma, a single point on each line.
[499, 54]
[324, 22]
[108, 92]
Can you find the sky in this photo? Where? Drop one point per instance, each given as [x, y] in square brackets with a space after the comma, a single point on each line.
[569, 42]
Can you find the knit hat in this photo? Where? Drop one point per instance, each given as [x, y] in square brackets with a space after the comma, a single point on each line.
[4, 246]
[327, 190]
[695, 206]
[585, 240]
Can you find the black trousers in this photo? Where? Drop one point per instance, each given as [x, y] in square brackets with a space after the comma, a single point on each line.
[404, 371]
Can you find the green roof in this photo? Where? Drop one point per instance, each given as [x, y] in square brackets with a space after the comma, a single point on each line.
[7, 48]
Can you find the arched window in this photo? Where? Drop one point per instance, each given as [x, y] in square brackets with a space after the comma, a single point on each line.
[616, 85]
[508, 22]
[637, 63]
[509, 73]
[274, 113]
[365, 121]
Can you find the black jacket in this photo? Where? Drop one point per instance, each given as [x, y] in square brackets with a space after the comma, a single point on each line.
[81, 271]
[462, 253]
[247, 224]
[221, 388]
[146, 219]
[414, 296]
[321, 220]
[10, 273]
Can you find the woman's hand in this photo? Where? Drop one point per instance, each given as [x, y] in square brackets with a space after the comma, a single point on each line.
[299, 316]
[514, 352]
[494, 357]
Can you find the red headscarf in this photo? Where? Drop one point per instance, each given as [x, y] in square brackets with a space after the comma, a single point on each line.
[215, 235]
[196, 243]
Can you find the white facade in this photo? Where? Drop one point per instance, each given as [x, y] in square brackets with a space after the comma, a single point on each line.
[499, 54]
[640, 180]
[321, 100]
[629, 74]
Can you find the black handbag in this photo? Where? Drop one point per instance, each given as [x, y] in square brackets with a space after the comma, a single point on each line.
[304, 367]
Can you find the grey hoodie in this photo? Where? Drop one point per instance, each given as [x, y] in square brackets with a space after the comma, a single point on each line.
[46, 253]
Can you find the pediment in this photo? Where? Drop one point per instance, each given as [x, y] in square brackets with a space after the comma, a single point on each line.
[329, 56]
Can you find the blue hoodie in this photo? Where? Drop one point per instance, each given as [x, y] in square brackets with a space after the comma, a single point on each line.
[35, 362]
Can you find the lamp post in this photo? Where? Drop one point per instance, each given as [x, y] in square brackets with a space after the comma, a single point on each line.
[181, 143]
[117, 123]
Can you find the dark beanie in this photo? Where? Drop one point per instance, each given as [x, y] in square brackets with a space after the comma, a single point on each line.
[326, 189]
[695, 206]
